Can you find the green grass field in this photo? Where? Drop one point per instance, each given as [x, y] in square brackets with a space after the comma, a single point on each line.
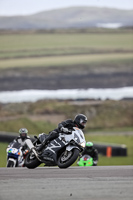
[103, 160]
[30, 42]
[106, 115]
[68, 60]
[30, 50]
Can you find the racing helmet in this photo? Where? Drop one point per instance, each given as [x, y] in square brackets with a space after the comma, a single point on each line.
[89, 145]
[23, 133]
[80, 120]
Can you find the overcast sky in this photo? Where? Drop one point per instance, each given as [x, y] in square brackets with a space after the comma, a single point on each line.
[24, 7]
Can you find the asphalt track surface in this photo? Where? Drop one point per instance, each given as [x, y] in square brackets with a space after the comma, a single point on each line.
[73, 183]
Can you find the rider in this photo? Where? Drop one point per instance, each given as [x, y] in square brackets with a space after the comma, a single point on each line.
[21, 139]
[91, 151]
[65, 127]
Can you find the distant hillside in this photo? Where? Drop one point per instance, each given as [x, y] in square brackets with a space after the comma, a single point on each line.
[73, 17]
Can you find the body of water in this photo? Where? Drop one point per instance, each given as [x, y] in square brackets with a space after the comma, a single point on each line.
[64, 94]
[109, 25]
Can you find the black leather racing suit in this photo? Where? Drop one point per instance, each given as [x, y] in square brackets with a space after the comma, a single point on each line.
[69, 123]
[55, 133]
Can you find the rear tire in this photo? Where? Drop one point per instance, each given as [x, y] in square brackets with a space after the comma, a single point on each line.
[62, 163]
[31, 162]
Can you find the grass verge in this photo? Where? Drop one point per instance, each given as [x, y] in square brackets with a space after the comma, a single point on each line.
[68, 60]
[103, 160]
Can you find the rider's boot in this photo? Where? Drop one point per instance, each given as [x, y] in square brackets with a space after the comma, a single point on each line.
[40, 148]
[52, 135]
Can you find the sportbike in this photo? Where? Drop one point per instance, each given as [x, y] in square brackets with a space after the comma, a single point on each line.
[85, 161]
[15, 156]
[62, 151]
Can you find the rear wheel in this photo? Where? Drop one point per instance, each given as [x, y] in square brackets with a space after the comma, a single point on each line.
[67, 158]
[31, 161]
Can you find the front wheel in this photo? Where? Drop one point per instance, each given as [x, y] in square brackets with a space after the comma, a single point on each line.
[66, 159]
[11, 163]
[31, 161]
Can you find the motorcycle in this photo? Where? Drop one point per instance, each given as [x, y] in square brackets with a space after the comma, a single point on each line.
[15, 156]
[85, 161]
[62, 151]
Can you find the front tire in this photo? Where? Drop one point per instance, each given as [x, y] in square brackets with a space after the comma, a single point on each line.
[10, 163]
[64, 163]
[31, 161]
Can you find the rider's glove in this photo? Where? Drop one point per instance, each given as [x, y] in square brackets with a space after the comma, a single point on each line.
[64, 130]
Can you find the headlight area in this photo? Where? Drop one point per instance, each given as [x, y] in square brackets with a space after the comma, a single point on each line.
[82, 144]
[79, 145]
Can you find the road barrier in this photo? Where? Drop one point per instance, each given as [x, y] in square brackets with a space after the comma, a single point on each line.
[9, 137]
[111, 149]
